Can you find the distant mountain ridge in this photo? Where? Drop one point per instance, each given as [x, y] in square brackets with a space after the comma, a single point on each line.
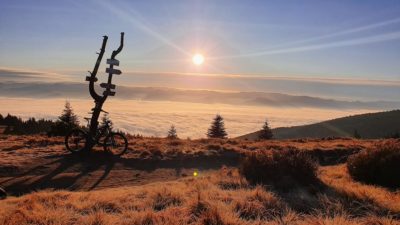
[369, 125]
[79, 90]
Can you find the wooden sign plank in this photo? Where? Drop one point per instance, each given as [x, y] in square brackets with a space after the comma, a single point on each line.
[113, 71]
[90, 79]
[106, 85]
[110, 93]
[114, 62]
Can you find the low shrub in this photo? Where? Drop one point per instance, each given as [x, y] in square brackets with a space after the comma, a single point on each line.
[379, 165]
[283, 168]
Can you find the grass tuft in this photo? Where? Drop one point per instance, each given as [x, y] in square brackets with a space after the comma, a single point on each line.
[165, 198]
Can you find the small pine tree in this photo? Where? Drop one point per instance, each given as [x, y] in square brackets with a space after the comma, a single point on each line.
[217, 129]
[266, 132]
[172, 133]
[106, 119]
[68, 116]
[67, 121]
[356, 134]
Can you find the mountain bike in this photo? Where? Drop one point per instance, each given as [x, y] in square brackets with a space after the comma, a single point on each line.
[79, 140]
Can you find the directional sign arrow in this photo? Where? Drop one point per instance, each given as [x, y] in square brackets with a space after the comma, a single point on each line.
[114, 62]
[90, 78]
[110, 93]
[106, 85]
[113, 71]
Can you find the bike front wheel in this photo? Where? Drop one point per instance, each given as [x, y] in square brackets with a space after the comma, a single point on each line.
[76, 140]
[116, 143]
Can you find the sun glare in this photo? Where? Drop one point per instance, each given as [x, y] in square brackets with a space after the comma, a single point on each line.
[198, 59]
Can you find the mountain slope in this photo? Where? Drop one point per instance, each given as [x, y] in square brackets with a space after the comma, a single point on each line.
[370, 125]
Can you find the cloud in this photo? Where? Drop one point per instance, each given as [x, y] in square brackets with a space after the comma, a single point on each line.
[153, 118]
[339, 33]
[350, 42]
[348, 89]
[21, 75]
[345, 81]
[277, 49]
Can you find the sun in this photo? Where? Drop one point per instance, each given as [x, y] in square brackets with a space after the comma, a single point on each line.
[198, 59]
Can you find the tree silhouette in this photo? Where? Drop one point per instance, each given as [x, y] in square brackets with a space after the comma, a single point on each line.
[266, 132]
[66, 122]
[68, 116]
[217, 129]
[106, 119]
[172, 133]
[15, 125]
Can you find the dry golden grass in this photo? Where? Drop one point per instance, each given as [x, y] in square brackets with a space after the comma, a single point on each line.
[219, 197]
[17, 149]
[17, 153]
[222, 197]
[338, 178]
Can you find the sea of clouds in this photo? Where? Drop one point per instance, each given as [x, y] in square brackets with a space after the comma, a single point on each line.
[149, 104]
[153, 118]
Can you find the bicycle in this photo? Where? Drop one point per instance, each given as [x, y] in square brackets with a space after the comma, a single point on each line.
[79, 140]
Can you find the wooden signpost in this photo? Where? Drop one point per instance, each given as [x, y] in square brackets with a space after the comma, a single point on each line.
[109, 87]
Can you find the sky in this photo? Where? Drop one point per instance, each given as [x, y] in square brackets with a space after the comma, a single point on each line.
[323, 39]
[293, 62]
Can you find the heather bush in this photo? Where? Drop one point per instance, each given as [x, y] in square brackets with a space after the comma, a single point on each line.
[379, 165]
[283, 168]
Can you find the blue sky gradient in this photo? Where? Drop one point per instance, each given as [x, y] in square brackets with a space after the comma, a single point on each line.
[324, 39]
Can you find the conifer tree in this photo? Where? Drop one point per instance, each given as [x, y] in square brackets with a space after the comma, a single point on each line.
[172, 133]
[217, 129]
[68, 116]
[67, 121]
[266, 132]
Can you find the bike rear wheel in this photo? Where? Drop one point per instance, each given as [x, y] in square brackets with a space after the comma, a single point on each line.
[116, 143]
[76, 140]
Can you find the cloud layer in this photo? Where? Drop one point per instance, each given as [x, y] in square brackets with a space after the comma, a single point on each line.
[79, 90]
[153, 118]
[181, 99]
[332, 88]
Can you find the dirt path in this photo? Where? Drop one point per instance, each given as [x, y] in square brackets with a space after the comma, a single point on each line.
[100, 170]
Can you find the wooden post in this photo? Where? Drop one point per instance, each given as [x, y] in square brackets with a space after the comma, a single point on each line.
[100, 99]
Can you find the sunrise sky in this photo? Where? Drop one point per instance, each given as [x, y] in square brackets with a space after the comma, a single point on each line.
[338, 50]
[346, 39]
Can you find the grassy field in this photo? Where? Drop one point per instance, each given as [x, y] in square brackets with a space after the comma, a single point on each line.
[154, 184]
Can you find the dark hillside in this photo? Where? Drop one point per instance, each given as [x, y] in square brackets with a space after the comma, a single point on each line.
[370, 125]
